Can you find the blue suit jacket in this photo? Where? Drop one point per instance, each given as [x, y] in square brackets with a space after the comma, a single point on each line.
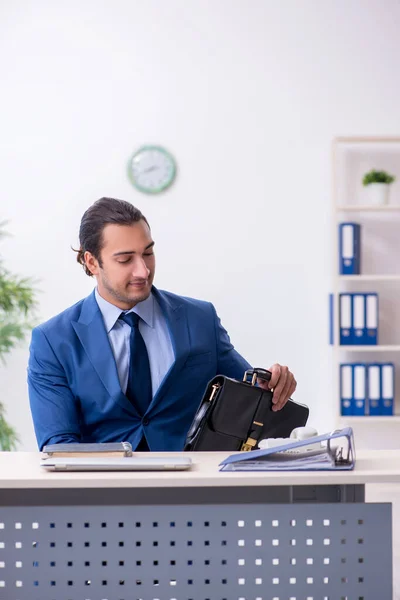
[73, 383]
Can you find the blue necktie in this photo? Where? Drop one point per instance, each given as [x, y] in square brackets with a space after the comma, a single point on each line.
[139, 390]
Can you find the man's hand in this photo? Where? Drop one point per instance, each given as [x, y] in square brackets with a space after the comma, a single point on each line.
[283, 384]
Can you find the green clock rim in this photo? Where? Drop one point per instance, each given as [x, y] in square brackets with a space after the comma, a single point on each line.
[162, 187]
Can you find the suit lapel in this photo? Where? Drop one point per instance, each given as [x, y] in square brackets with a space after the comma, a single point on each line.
[176, 317]
[93, 336]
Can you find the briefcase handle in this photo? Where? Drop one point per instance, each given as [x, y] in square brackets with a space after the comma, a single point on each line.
[256, 373]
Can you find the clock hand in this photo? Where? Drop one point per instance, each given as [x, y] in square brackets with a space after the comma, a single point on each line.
[149, 170]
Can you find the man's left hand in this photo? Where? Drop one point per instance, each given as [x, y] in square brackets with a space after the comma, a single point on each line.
[282, 383]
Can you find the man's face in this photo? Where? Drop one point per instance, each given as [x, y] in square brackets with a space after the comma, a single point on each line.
[127, 266]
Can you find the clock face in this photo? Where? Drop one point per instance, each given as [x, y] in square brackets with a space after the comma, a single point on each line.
[152, 169]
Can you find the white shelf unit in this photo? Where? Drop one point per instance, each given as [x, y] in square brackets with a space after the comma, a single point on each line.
[377, 348]
[349, 204]
[361, 208]
[366, 420]
[345, 278]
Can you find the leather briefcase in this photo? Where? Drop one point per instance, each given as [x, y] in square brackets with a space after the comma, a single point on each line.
[235, 415]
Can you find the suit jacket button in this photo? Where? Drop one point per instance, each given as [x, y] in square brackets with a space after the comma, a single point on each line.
[145, 421]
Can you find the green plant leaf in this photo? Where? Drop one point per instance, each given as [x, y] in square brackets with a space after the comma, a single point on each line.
[8, 436]
[377, 177]
[17, 315]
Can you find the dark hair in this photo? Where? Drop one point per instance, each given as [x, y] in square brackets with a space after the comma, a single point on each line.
[103, 212]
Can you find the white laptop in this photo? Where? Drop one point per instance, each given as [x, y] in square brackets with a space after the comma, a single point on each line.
[124, 463]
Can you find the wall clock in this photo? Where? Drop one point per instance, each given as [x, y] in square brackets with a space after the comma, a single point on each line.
[152, 169]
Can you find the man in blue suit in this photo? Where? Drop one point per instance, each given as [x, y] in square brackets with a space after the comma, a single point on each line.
[98, 373]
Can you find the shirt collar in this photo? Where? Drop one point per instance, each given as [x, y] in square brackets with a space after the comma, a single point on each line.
[111, 313]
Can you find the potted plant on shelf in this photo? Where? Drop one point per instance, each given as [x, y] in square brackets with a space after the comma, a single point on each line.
[377, 184]
[17, 306]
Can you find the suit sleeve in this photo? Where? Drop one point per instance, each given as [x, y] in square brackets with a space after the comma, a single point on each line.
[53, 406]
[230, 362]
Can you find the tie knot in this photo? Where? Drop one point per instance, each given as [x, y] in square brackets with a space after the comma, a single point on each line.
[132, 319]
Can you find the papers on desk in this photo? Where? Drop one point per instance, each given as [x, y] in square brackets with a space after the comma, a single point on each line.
[333, 451]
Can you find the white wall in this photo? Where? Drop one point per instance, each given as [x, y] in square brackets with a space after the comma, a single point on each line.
[248, 96]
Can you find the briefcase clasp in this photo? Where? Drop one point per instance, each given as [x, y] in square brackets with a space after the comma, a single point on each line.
[253, 377]
[256, 373]
[214, 391]
[248, 445]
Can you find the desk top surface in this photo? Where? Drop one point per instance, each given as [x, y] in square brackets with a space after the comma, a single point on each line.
[22, 470]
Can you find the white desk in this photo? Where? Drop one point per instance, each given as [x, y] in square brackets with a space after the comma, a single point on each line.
[20, 470]
[194, 535]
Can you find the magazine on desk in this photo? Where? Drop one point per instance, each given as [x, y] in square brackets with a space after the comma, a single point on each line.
[327, 452]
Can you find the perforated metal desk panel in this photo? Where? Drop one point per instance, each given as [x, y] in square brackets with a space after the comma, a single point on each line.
[199, 535]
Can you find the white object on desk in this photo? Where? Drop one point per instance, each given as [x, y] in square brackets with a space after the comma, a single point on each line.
[131, 463]
[303, 433]
[300, 433]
